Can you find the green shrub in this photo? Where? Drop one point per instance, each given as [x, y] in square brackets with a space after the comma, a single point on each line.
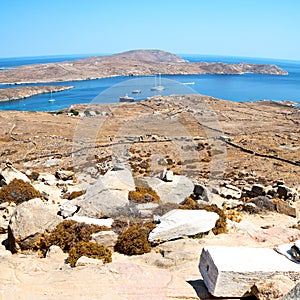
[74, 112]
[89, 249]
[134, 240]
[18, 191]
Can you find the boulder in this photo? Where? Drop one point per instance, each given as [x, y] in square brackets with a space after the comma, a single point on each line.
[230, 192]
[67, 210]
[106, 238]
[169, 192]
[200, 191]
[272, 288]
[107, 194]
[293, 294]
[6, 211]
[64, 175]
[232, 271]
[100, 222]
[9, 173]
[263, 203]
[179, 223]
[166, 175]
[87, 261]
[258, 190]
[285, 192]
[30, 219]
[286, 208]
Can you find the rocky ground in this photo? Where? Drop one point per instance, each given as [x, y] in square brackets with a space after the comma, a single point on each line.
[243, 157]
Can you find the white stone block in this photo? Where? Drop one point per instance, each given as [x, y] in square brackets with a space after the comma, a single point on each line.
[232, 271]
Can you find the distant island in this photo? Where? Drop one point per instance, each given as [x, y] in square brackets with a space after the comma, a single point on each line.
[10, 94]
[130, 63]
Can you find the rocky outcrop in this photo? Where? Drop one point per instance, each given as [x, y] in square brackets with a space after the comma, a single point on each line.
[10, 94]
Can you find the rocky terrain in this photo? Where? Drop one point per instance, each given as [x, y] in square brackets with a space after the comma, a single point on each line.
[10, 94]
[183, 172]
[131, 63]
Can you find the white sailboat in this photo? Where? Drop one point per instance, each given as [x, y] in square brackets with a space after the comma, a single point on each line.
[51, 99]
[157, 87]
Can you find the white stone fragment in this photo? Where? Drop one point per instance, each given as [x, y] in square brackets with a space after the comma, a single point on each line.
[101, 222]
[232, 271]
[178, 223]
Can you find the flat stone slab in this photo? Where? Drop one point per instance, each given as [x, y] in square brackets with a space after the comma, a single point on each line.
[232, 271]
[180, 222]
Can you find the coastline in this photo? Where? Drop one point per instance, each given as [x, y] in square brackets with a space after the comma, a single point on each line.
[14, 94]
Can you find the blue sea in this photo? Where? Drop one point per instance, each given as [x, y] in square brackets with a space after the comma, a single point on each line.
[240, 88]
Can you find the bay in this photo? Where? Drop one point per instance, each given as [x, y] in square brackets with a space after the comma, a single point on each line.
[241, 88]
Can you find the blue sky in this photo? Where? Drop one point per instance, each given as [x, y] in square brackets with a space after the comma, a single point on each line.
[253, 28]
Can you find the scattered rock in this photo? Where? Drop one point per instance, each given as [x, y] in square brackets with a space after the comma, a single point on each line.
[68, 210]
[284, 207]
[285, 192]
[64, 175]
[179, 223]
[200, 191]
[101, 222]
[87, 261]
[230, 192]
[258, 190]
[54, 251]
[232, 271]
[263, 203]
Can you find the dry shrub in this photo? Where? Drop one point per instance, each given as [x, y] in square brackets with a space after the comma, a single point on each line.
[221, 224]
[143, 195]
[67, 234]
[73, 195]
[189, 203]
[89, 249]
[34, 175]
[18, 191]
[134, 240]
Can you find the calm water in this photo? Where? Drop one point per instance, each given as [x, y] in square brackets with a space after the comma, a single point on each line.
[247, 87]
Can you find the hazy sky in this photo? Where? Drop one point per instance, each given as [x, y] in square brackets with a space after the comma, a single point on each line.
[258, 28]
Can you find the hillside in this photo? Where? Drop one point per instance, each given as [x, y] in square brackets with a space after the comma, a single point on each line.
[130, 63]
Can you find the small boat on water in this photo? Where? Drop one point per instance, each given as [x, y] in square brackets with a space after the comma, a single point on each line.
[126, 98]
[193, 82]
[157, 86]
[136, 91]
[51, 99]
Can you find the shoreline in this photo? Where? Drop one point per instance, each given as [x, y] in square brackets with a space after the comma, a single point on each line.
[19, 93]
